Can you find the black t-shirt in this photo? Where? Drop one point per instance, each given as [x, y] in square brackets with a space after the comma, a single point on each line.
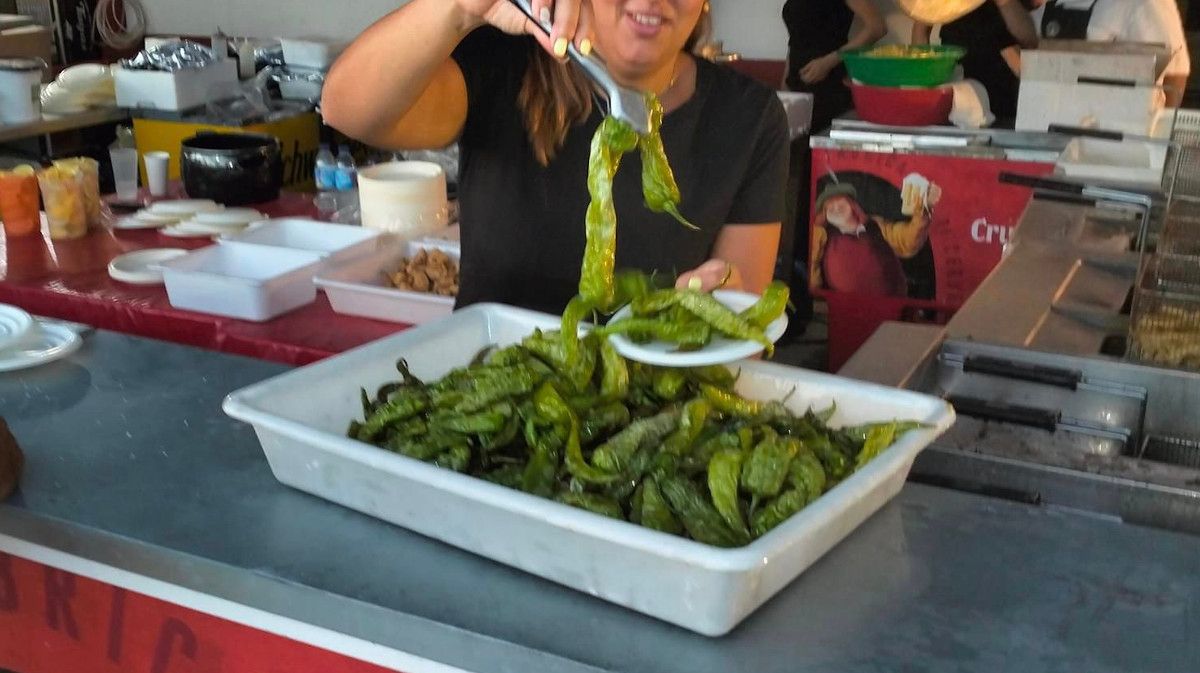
[815, 28]
[983, 34]
[523, 231]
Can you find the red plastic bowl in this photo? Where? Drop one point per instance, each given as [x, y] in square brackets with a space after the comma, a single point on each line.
[894, 106]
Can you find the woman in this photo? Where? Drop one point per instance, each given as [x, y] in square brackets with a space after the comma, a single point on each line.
[992, 34]
[437, 71]
[818, 32]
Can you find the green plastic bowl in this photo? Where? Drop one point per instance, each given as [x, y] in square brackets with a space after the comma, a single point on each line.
[931, 65]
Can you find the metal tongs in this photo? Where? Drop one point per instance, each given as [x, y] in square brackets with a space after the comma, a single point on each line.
[625, 104]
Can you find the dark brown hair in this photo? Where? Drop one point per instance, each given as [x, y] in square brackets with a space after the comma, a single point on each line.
[556, 96]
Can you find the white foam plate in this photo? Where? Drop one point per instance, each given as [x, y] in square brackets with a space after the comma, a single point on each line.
[44, 343]
[185, 207]
[14, 324]
[134, 222]
[134, 267]
[719, 351]
[193, 229]
[230, 217]
[161, 219]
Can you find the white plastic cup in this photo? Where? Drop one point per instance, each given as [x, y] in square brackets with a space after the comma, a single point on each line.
[125, 172]
[403, 197]
[156, 172]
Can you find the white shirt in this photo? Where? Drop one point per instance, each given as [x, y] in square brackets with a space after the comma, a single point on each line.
[1135, 21]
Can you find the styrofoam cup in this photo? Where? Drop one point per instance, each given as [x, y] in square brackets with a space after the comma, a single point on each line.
[156, 172]
[403, 197]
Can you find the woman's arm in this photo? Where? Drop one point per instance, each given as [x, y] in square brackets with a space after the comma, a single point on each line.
[1012, 58]
[396, 86]
[868, 29]
[920, 33]
[1018, 22]
[746, 252]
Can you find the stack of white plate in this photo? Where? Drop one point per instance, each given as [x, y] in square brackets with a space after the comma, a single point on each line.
[215, 223]
[168, 214]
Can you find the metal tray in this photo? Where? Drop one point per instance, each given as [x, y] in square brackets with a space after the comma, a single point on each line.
[300, 418]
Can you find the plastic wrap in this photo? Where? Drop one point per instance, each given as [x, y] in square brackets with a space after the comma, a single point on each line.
[171, 57]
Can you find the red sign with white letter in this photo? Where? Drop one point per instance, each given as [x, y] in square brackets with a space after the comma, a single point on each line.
[53, 621]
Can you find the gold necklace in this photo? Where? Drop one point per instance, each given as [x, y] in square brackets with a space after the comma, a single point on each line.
[674, 78]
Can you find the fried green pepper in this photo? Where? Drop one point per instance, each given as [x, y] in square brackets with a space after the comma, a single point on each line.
[659, 189]
[542, 468]
[878, 438]
[614, 373]
[601, 420]
[669, 384]
[631, 285]
[401, 407]
[615, 454]
[860, 433]
[654, 329]
[691, 424]
[492, 419]
[777, 511]
[702, 522]
[552, 407]
[769, 306]
[722, 319]
[654, 512]
[592, 502]
[806, 474]
[507, 475]
[723, 471]
[715, 375]
[612, 140]
[654, 302]
[456, 458]
[766, 469]
[503, 384]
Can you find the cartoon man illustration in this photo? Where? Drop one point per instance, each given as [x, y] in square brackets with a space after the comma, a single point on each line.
[854, 252]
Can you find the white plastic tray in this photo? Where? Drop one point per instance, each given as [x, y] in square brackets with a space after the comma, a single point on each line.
[300, 418]
[359, 287]
[333, 242]
[1131, 162]
[251, 282]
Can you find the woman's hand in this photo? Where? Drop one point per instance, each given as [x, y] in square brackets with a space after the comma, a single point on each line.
[818, 69]
[715, 274]
[571, 21]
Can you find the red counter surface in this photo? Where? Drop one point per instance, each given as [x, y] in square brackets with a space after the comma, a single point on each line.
[69, 280]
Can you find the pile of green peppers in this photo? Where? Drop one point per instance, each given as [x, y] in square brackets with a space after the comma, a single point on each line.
[675, 450]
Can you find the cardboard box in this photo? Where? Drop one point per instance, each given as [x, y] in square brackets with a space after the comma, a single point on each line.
[28, 42]
[172, 91]
[299, 139]
[1104, 85]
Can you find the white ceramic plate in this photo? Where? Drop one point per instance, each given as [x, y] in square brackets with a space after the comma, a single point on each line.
[719, 351]
[135, 267]
[14, 324]
[185, 207]
[44, 343]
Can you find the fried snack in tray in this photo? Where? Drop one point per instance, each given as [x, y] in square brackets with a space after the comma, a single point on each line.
[427, 271]
[901, 51]
[1169, 335]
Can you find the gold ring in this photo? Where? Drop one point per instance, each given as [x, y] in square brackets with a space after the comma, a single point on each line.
[728, 275]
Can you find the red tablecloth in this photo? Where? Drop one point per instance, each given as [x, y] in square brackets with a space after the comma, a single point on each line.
[69, 280]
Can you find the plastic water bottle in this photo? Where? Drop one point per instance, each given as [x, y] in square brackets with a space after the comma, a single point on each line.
[345, 170]
[326, 170]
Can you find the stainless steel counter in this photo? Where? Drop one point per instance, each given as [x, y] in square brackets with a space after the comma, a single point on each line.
[131, 464]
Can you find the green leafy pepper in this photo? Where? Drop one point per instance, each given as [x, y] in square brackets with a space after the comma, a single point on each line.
[722, 319]
[654, 512]
[612, 140]
[766, 468]
[615, 454]
[777, 511]
[592, 502]
[878, 438]
[658, 182]
[769, 307]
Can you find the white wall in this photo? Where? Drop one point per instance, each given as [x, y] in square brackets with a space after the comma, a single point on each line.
[753, 28]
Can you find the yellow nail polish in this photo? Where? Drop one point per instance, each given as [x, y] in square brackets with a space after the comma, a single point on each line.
[585, 47]
[545, 15]
[560, 47]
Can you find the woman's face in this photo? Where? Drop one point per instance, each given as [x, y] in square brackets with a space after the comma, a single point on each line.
[639, 37]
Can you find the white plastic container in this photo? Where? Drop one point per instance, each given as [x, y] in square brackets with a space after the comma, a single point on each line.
[173, 91]
[20, 90]
[332, 242]
[1131, 162]
[251, 282]
[313, 53]
[404, 197]
[300, 418]
[360, 287]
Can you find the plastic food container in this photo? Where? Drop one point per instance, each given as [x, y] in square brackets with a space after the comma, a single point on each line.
[66, 205]
[926, 66]
[361, 288]
[894, 106]
[331, 242]
[19, 199]
[312, 53]
[300, 418]
[89, 171]
[251, 282]
[404, 197]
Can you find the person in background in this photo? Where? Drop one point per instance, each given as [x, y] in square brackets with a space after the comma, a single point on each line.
[818, 32]
[1122, 21]
[992, 35]
[436, 72]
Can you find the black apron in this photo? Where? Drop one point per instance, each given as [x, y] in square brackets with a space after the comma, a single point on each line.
[1060, 23]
